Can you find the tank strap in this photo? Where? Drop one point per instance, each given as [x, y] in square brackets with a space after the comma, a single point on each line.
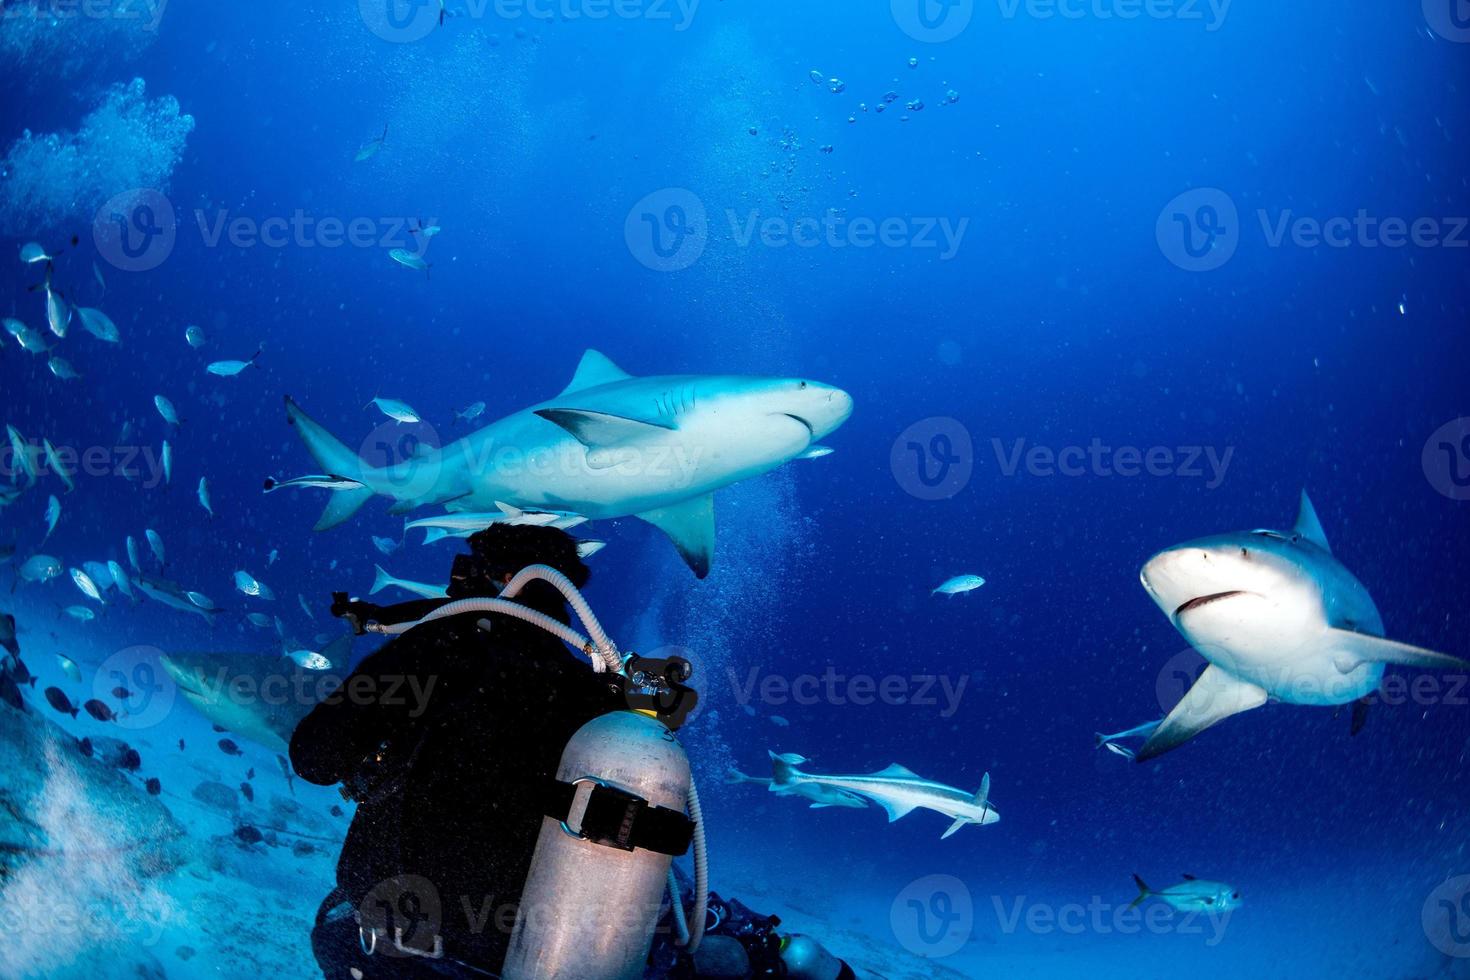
[593, 811]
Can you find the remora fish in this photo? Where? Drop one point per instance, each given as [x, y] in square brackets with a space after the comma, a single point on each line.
[694, 434]
[1110, 742]
[821, 796]
[896, 789]
[325, 481]
[1278, 617]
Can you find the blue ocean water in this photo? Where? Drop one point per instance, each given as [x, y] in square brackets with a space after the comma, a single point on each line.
[1100, 278]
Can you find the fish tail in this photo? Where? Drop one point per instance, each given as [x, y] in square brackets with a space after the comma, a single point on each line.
[783, 771]
[381, 582]
[1143, 892]
[270, 484]
[1099, 740]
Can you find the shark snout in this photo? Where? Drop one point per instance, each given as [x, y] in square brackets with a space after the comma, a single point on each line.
[827, 409]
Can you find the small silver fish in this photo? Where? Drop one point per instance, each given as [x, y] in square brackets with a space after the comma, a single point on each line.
[156, 543]
[32, 252]
[40, 568]
[396, 410]
[249, 585]
[168, 462]
[97, 323]
[53, 514]
[80, 612]
[69, 666]
[370, 149]
[166, 409]
[89, 588]
[204, 495]
[58, 317]
[959, 585]
[195, 337]
[54, 462]
[133, 554]
[228, 369]
[409, 260]
[62, 369]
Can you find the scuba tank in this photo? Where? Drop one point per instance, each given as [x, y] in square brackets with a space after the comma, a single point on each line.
[615, 821]
[808, 959]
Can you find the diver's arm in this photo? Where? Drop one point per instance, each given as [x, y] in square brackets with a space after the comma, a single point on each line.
[331, 743]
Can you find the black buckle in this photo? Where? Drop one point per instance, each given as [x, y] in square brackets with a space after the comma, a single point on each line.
[594, 811]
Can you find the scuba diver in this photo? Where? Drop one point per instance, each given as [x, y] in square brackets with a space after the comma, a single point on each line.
[449, 849]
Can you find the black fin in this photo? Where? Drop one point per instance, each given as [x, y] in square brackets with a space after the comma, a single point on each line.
[1360, 715]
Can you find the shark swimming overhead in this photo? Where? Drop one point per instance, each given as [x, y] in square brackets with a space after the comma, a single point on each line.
[610, 445]
[1278, 618]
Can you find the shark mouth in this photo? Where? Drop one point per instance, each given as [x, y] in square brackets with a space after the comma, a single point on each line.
[811, 433]
[1199, 602]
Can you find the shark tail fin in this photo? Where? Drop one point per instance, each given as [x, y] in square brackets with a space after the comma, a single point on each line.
[334, 457]
[382, 581]
[734, 777]
[1143, 892]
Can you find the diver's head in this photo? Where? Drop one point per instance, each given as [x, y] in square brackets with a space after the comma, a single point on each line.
[501, 550]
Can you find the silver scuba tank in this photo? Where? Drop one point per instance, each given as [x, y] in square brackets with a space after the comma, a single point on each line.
[593, 895]
[807, 959]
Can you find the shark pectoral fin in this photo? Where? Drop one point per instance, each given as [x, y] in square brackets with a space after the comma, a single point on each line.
[819, 806]
[1308, 526]
[1217, 695]
[595, 369]
[691, 526]
[1376, 649]
[598, 430]
[954, 828]
[896, 811]
[342, 506]
[403, 507]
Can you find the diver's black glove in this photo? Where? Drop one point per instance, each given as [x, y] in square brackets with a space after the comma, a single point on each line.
[358, 614]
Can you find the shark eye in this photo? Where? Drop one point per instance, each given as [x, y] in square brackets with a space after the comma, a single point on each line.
[1209, 901]
[1235, 894]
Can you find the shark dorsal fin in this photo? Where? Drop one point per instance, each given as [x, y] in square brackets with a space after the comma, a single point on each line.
[594, 370]
[1308, 526]
[897, 771]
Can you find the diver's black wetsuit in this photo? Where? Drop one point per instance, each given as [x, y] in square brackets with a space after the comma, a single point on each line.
[456, 795]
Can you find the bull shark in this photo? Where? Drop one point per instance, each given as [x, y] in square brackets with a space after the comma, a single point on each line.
[257, 697]
[1278, 617]
[896, 789]
[610, 445]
